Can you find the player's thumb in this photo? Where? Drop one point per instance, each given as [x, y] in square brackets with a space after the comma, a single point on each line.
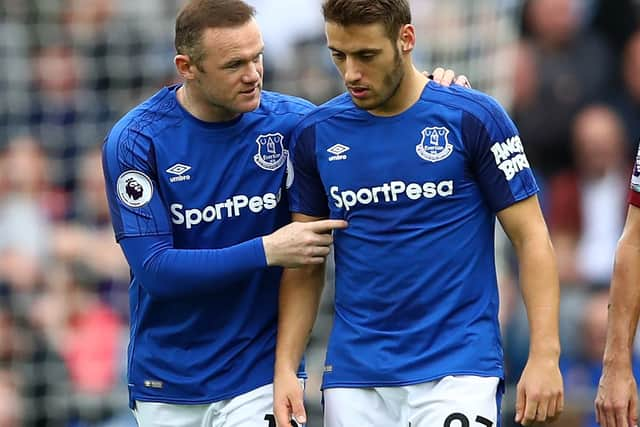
[282, 414]
[297, 408]
[520, 403]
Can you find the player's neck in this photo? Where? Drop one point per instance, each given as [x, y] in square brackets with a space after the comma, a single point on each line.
[200, 108]
[407, 94]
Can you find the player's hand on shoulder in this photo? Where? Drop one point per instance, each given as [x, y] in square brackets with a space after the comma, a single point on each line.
[540, 395]
[448, 77]
[616, 402]
[301, 243]
[288, 400]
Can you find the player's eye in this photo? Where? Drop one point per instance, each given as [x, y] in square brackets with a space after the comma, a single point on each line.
[338, 56]
[233, 66]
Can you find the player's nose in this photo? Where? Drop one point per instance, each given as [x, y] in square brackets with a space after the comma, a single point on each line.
[253, 73]
[352, 73]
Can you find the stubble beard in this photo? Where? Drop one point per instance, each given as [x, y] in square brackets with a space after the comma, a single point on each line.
[391, 80]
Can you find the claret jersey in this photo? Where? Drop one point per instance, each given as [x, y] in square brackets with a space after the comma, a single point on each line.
[202, 186]
[416, 295]
[634, 190]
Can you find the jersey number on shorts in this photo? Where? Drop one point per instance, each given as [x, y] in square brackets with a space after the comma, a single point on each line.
[464, 421]
[271, 419]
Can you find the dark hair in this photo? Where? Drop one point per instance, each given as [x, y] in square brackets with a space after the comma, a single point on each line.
[198, 15]
[393, 14]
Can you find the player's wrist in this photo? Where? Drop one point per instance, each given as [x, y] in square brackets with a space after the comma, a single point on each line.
[546, 352]
[285, 367]
[284, 374]
[267, 247]
[619, 359]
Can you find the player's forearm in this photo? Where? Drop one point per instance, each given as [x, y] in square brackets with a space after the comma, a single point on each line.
[541, 293]
[300, 292]
[524, 224]
[166, 272]
[624, 307]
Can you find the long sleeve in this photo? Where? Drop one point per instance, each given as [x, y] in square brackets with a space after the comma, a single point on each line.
[166, 272]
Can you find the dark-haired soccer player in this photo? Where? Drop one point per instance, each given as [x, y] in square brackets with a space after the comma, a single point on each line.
[420, 173]
[196, 185]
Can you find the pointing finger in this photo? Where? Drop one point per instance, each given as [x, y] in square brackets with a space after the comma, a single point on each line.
[328, 225]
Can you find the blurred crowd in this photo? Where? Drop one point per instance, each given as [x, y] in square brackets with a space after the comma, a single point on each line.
[567, 71]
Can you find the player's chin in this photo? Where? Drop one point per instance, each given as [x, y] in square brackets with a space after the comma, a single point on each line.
[361, 102]
[247, 104]
[366, 103]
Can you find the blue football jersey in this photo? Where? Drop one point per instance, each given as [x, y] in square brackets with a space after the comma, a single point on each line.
[416, 294]
[208, 186]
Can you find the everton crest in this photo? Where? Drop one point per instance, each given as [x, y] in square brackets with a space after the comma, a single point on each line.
[434, 145]
[271, 153]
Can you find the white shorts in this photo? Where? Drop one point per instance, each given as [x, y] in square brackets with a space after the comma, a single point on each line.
[252, 409]
[454, 401]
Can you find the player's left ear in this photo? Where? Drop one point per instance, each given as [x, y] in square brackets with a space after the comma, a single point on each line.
[184, 66]
[407, 38]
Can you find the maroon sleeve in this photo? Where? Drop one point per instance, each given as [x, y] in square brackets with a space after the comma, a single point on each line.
[634, 197]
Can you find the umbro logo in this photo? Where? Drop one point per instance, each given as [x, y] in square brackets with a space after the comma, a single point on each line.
[338, 151]
[179, 171]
